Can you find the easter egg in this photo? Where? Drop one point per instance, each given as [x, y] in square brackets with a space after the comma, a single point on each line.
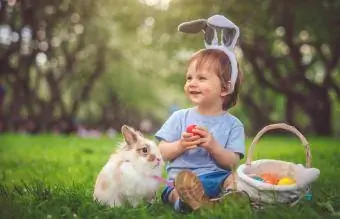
[257, 178]
[190, 128]
[269, 178]
[286, 181]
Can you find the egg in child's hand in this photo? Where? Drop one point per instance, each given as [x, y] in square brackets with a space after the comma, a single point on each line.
[190, 128]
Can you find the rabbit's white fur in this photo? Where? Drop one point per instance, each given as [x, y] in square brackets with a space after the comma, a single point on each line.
[127, 177]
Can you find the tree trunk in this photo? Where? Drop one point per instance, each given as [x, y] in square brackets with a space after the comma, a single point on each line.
[318, 108]
[289, 110]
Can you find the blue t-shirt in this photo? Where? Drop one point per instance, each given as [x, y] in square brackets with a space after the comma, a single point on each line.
[226, 129]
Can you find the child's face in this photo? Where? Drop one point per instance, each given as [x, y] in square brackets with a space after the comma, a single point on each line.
[203, 86]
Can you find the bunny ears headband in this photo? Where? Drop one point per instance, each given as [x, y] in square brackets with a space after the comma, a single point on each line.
[229, 35]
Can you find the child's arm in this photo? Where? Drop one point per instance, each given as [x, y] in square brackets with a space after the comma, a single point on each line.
[225, 158]
[171, 150]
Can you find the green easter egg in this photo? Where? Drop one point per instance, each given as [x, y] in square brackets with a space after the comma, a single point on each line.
[258, 178]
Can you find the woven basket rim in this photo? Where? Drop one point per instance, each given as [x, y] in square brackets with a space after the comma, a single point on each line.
[258, 185]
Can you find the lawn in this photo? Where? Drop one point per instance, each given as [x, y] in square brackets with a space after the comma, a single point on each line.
[49, 176]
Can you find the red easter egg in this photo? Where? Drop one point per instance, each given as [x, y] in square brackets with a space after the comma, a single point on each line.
[190, 128]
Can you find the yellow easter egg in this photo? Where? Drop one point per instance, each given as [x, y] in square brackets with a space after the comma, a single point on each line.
[286, 181]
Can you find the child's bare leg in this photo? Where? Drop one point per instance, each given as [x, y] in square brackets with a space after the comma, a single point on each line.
[173, 196]
[229, 182]
[230, 187]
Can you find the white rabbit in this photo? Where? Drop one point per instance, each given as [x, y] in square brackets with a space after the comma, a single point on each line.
[129, 175]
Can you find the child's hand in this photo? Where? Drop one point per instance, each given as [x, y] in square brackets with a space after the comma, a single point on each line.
[207, 140]
[188, 141]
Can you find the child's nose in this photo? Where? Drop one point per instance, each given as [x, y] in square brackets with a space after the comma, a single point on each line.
[192, 83]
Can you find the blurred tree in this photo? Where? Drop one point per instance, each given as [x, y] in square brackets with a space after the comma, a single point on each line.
[94, 59]
[42, 46]
[72, 59]
[132, 87]
[294, 49]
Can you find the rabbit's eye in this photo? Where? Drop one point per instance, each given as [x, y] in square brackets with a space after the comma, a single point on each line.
[145, 150]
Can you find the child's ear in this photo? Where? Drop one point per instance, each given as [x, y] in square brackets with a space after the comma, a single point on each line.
[226, 89]
[129, 134]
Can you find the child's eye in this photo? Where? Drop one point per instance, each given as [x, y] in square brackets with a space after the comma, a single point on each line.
[189, 78]
[202, 78]
[145, 150]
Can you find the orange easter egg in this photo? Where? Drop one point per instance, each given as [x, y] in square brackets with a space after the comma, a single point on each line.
[269, 178]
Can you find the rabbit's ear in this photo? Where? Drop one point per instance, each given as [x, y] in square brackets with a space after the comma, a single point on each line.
[129, 134]
[194, 26]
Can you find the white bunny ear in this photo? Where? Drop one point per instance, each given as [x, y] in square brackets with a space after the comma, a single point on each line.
[129, 134]
[229, 36]
[229, 31]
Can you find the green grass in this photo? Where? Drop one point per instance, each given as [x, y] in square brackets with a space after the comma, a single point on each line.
[52, 177]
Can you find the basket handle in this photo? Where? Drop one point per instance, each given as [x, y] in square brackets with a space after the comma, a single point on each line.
[285, 127]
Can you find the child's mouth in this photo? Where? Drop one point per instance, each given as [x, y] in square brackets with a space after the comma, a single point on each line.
[195, 92]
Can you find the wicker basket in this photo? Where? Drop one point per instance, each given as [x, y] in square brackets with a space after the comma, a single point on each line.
[264, 193]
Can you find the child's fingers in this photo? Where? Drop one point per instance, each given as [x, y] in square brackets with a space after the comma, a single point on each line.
[190, 137]
[200, 131]
[194, 138]
[186, 135]
[200, 128]
[203, 141]
[191, 143]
